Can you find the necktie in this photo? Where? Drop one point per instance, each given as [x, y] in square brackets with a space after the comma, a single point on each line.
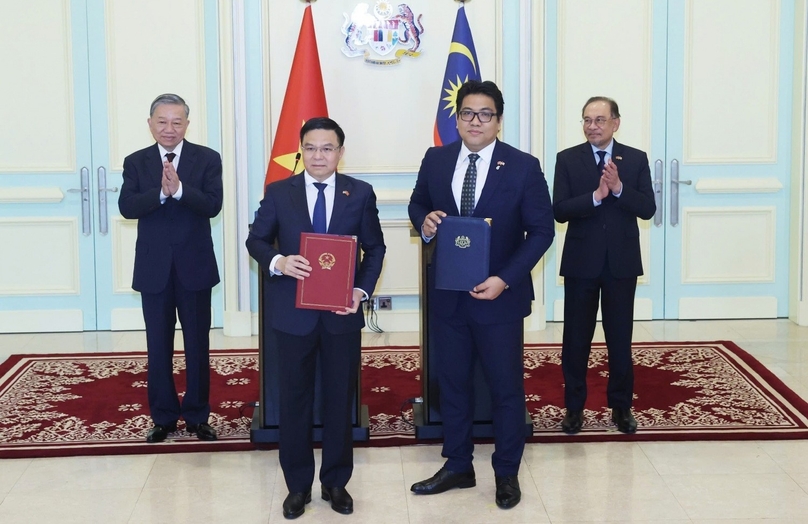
[318, 217]
[601, 163]
[170, 156]
[469, 185]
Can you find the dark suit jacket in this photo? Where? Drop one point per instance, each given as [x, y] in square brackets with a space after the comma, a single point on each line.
[609, 231]
[284, 214]
[176, 231]
[516, 198]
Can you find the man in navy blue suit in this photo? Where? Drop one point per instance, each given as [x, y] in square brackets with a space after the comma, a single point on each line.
[290, 207]
[489, 179]
[173, 188]
[601, 188]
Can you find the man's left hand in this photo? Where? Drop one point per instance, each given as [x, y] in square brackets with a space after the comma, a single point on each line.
[490, 289]
[357, 300]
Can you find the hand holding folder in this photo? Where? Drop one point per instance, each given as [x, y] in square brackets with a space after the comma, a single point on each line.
[329, 287]
[462, 253]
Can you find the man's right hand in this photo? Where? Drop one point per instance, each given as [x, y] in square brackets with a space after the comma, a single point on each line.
[430, 226]
[602, 191]
[294, 266]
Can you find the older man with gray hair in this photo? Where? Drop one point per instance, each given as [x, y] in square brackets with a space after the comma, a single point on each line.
[173, 188]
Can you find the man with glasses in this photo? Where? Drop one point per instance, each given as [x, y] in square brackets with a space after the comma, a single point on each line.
[601, 187]
[480, 176]
[347, 206]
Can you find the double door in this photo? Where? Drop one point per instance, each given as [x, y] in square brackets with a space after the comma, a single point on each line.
[84, 75]
[704, 87]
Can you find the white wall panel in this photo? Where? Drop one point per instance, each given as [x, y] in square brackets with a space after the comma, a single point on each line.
[604, 48]
[645, 251]
[38, 321]
[37, 103]
[124, 236]
[44, 259]
[730, 111]
[701, 308]
[387, 112]
[401, 262]
[150, 51]
[728, 245]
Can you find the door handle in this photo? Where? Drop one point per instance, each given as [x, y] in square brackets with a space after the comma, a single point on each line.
[85, 201]
[675, 191]
[659, 168]
[103, 215]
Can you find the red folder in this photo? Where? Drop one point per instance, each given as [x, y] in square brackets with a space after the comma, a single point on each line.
[330, 284]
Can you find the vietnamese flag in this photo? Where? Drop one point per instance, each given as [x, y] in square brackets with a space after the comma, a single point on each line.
[304, 99]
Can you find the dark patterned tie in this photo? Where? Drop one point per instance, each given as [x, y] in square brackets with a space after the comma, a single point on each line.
[469, 186]
[170, 156]
[601, 162]
[318, 217]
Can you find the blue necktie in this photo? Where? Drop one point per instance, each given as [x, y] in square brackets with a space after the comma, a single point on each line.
[601, 162]
[318, 217]
[469, 187]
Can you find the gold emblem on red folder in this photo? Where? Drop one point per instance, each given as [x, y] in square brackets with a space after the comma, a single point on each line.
[327, 261]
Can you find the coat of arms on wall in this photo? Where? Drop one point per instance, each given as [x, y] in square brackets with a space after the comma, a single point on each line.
[385, 29]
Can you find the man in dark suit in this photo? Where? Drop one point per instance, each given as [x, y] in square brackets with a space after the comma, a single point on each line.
[483, 177]
[289, 208]
[173, 188]
[601, 187]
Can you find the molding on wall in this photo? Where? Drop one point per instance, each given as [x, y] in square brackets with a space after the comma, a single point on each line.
[31, 195]
[38, 321]
[738, 185]
[727, 307]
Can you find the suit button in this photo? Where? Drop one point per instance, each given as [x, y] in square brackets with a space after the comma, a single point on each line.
[604, 226]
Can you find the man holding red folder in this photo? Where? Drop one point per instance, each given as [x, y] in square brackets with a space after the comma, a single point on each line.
[320, 201]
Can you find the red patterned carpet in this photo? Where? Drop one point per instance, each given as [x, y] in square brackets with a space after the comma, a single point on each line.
[93, 404]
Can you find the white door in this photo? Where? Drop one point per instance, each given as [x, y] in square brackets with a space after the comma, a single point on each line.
[85, 72]
[704, 89]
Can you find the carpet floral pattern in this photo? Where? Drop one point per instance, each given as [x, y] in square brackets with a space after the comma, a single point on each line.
[87, 404]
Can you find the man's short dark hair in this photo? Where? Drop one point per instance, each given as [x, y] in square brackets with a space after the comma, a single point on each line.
[487, 88]
[612, 105]
[322, 122]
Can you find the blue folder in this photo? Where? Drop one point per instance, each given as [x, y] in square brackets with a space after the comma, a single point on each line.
[462, 252]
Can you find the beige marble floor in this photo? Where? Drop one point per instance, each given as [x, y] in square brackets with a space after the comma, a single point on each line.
[649, 482]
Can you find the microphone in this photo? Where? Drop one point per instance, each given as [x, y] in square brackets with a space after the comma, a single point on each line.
[297, 159]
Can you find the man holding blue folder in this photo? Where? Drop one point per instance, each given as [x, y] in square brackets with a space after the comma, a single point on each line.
[479, 176]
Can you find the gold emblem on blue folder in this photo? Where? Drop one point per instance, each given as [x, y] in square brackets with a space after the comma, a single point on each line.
[462, 242]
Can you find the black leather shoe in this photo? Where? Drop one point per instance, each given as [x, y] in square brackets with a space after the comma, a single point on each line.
[626, 423]
[341, 500]
[159, 433]
[444, 480]
[202, 431]
[508, 492]
[295, 504]
[573, 421]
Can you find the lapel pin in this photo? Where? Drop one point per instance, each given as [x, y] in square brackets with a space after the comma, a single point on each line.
[346, 193]
[618, 158]
[500, 163]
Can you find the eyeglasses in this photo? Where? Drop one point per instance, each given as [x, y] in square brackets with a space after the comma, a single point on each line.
[483, 116]
[599, 121]
[326, 150]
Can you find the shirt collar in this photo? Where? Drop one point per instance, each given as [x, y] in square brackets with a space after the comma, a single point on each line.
[608, 148]
[485, 153]
[177, 150]
[330, 181]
